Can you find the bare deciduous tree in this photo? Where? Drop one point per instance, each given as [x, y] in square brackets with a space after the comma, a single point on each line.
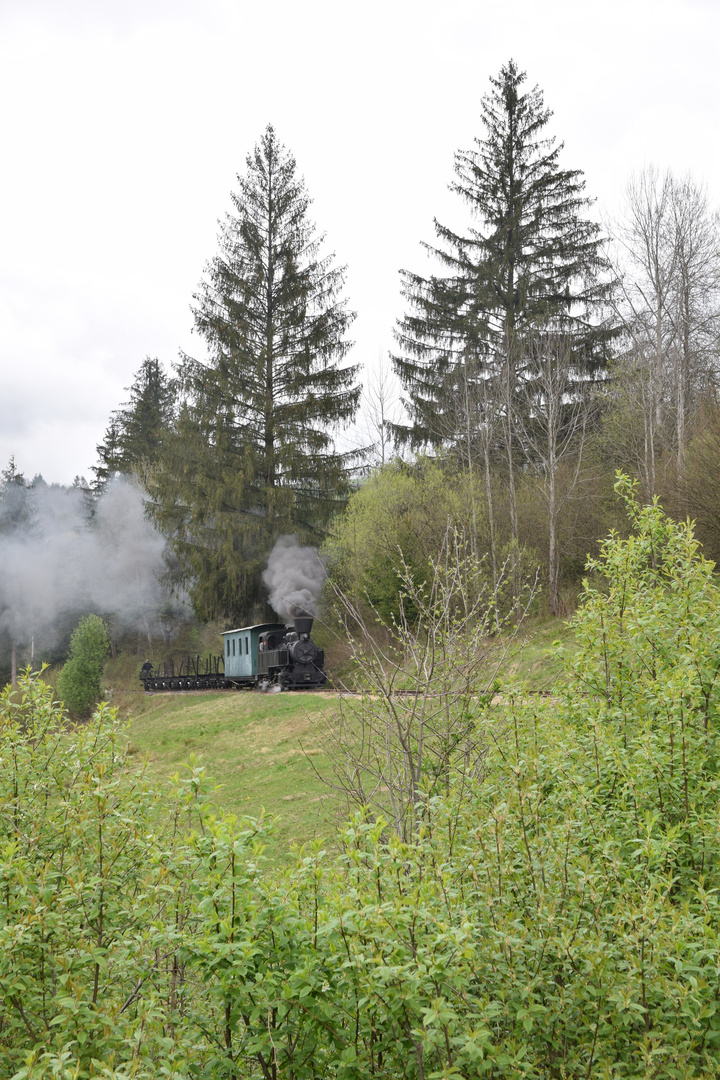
[695, 309]
[649, 261]
[553, 424]
[669, 304]
[380, 410]
[425, 683]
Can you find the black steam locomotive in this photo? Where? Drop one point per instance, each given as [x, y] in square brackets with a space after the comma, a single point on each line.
[268, 656]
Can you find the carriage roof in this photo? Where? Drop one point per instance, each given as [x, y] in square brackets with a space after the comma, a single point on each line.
[259, 627]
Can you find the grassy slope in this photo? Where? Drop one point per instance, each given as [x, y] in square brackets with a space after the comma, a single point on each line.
[259, 747]
[535, 660]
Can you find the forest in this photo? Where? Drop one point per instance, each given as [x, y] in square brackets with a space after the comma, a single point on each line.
[524, 886]
[544, 353]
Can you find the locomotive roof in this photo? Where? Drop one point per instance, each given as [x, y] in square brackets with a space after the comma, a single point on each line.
[258, 626]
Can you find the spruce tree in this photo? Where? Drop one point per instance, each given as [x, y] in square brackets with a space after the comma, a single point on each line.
[136, 431]
[15, 506]
[253, 454]
[531, 262]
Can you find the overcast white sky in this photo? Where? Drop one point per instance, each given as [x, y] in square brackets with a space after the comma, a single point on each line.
[125, 123]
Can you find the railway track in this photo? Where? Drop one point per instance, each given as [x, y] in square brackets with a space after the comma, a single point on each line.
[330, 692]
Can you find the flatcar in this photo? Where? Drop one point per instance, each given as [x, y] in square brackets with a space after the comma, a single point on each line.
[267, 656]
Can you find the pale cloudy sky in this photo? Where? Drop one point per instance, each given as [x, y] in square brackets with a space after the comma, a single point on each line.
[125, 122]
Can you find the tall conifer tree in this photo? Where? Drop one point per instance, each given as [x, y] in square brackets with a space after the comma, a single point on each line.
[136, 431]
[253, 454]
[531, 261]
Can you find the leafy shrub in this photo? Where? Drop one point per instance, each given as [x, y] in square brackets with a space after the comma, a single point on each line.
[81, 887]
[424, 680]
[399, 509]
[557, 918]
[79, 680]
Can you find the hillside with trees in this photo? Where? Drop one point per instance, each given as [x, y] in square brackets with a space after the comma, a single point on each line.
[524, 885]
[539, 355]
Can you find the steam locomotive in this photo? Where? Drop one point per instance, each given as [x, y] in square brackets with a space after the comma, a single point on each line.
[268, 656]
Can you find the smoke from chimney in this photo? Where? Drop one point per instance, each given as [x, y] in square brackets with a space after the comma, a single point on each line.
[294, 577]
[63, 561]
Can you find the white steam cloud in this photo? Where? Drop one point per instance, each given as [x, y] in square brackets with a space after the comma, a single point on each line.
[62, 562]
[294, 576]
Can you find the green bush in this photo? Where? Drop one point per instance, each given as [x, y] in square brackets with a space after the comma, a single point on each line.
[399, 511]
[559, 917]
[83, 887]
[79, 680]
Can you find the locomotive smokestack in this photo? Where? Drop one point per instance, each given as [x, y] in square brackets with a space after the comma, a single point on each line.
[303, 624]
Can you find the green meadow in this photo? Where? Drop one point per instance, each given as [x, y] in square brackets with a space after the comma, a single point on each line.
[260, 751]
[263, 753]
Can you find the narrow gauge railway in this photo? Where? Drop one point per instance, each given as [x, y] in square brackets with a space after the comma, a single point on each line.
[267, 656]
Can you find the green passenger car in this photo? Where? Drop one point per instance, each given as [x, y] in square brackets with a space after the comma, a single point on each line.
[240, 651]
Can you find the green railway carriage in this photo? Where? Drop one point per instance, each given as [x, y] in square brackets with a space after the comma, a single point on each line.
[241, 647]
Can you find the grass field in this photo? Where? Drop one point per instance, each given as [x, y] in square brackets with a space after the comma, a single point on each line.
[259, 749]
[263, 750]
[534, 659]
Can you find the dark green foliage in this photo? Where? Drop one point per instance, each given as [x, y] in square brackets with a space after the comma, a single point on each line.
[253, 456]
[531, 260]
[79, 680]
[137, 431]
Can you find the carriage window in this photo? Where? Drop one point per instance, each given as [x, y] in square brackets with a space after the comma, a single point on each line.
[233, 641]
[247, 646]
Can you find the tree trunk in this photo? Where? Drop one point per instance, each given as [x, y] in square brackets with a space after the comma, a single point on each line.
[514, 532]
[491, 518]
[554, 407]
[471, 470]
[269, 418]
[683, 378]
